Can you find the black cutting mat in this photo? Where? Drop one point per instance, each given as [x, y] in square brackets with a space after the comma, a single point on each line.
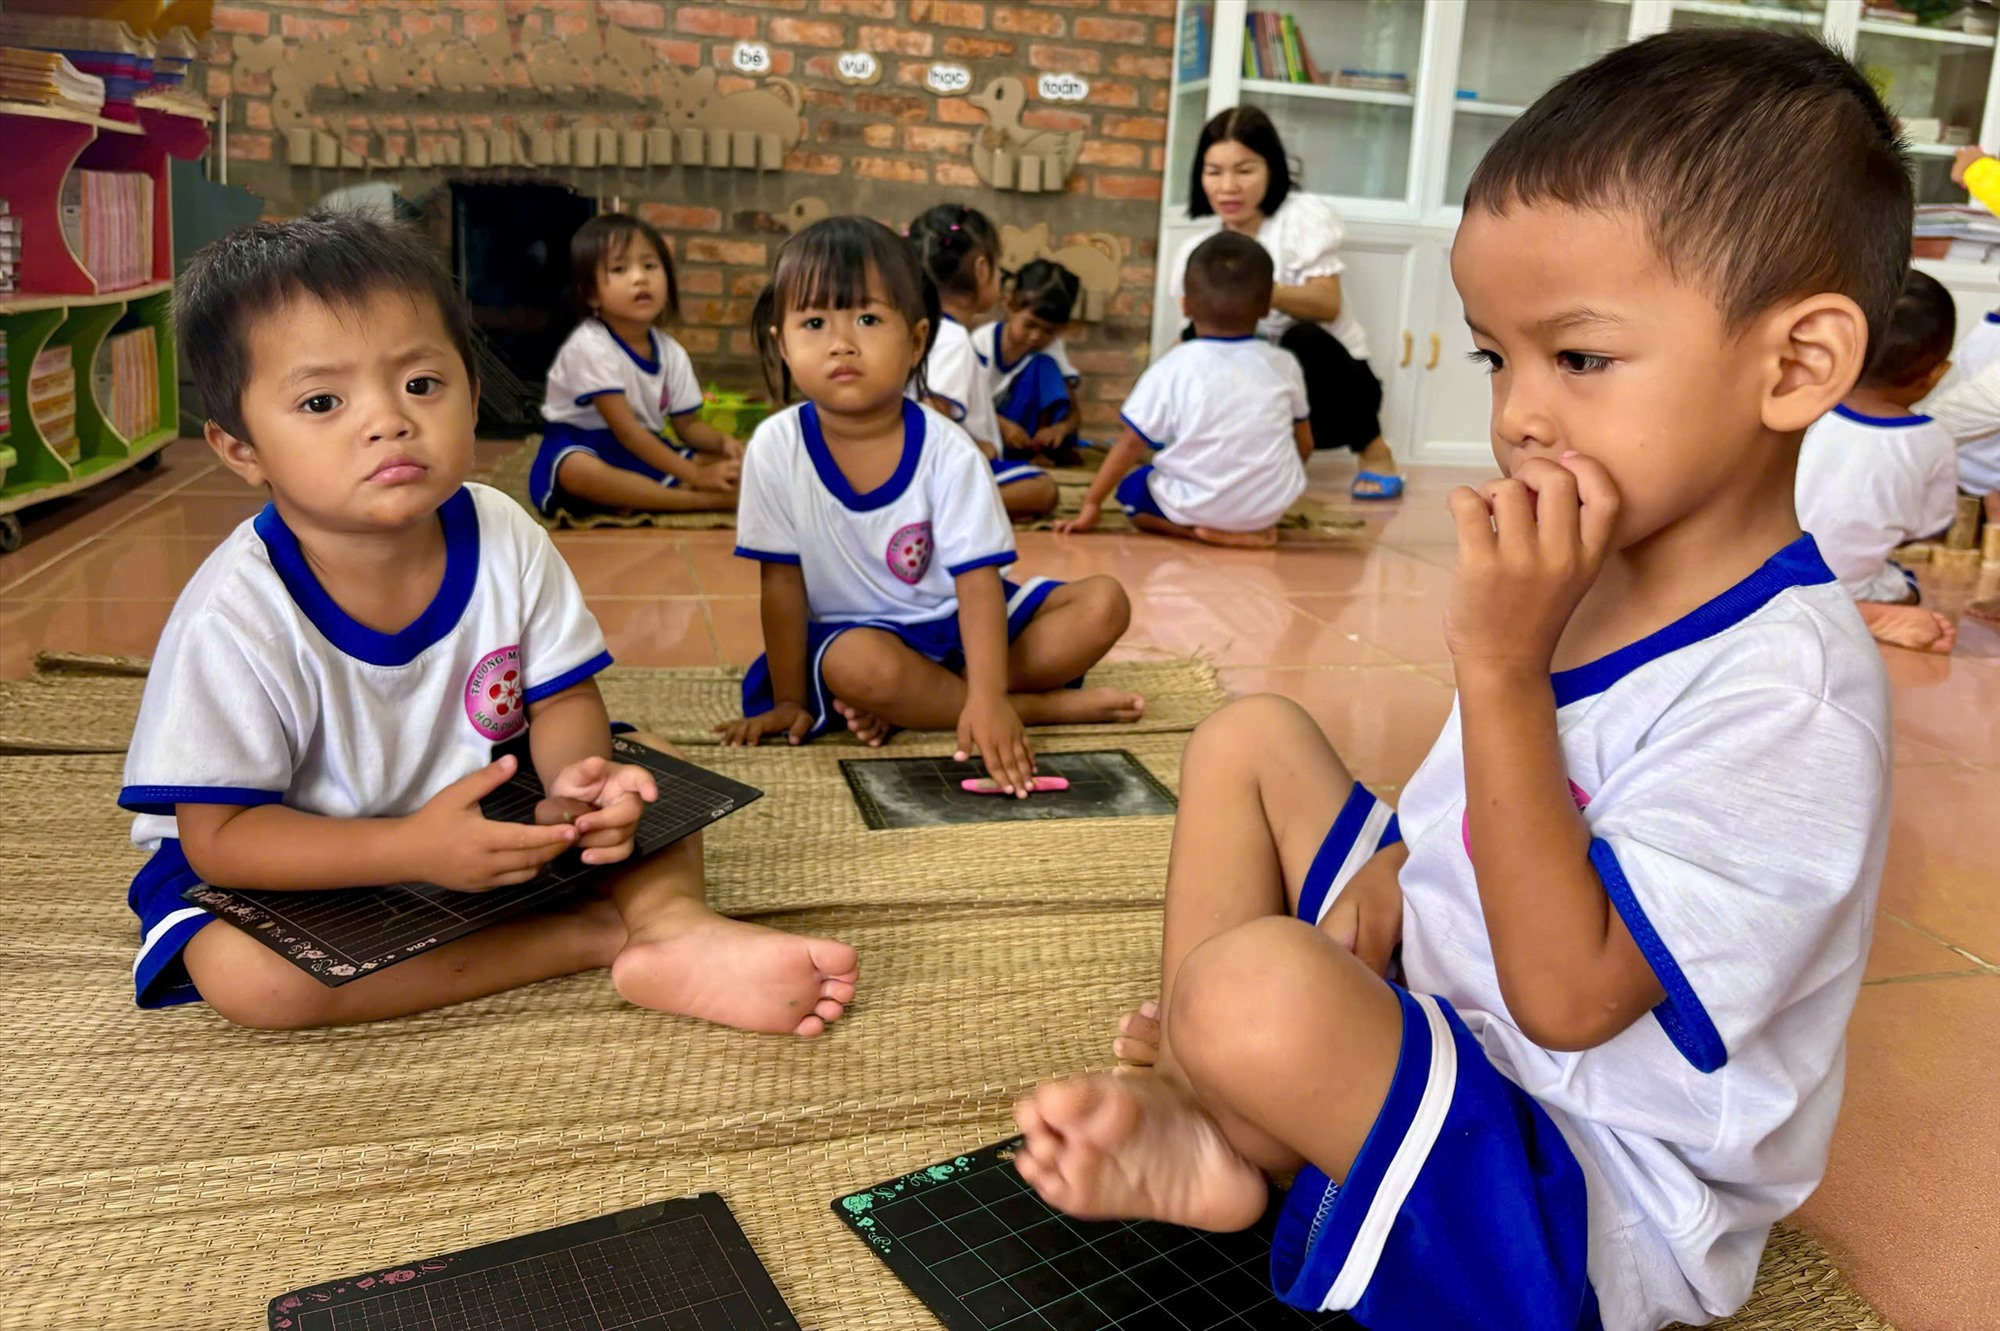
[340, 936]
[985, 1253]
[925, 792]
[682, 1265]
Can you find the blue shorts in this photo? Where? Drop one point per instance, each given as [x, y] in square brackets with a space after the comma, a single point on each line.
[166, 923]
[1135, 495]
[936, 639]
[1006, 472]
[1465, 1206]
[1038, 396]
[560, 440]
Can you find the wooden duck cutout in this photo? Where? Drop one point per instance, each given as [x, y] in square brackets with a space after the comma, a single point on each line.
[1007, 156]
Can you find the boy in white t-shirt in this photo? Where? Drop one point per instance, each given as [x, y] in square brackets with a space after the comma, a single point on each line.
[1634, 882]
[1873, 476]
[328, 691]
[1226, 414]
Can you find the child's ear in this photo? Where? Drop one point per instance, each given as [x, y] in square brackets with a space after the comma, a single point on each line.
[1816, 348]
[236, 454]
[920, 336]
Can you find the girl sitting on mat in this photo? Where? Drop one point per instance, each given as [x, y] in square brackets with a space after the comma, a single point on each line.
[881, 535]
[616, 383]
[960, 253]
[1033, 384]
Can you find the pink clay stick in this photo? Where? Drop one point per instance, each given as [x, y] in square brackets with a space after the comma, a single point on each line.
[986, 785]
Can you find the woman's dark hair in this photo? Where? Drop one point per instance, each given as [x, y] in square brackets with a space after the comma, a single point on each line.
[605, 237]
[1253, 129]
[948, 239]
[827, 266]
[1046, 290]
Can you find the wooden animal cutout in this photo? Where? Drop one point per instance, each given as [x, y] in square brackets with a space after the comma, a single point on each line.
[1095, 262]
[624, 62]
[1008, 156]
[462, 67]
[754, 128]
[402, 67]
[803, 213]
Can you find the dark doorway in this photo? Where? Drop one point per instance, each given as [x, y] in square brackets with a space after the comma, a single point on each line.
[510, 254]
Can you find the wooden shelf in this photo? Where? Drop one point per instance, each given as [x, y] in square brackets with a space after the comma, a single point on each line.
[85, 474]
[24, 302]
[1749, 13]
[1474, 106]
[35, 111]
[1937, 149]
[1880, 29]
[1320, 92]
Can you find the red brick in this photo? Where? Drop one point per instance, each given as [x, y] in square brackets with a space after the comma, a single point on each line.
[951, 13]
[1009, 18]
[908, 110]
[1156, 159]
[1157, 100]
[1111, 92]
[699, 281]
[569, 23]
[257, 115]
[218, 84]
[860, 8]
[299, 26]
[709, 249]
[639, 15]
[716, 313]
[932, 139]
[481, 22]
[250, 147]
[795, 6]
[249, 22]
[1113, 389]
[741, 343]
[747, 284]
[1065, 59]
[1101, 362]
[958, 111]
[1103, 152]
[1049, 117]
[1142, 66]
[901, 41]
[714, 23]
[673, 51]
[1144, 8]
[823, 97]
[958, 175]
[1129, 187]
[1151, 128]
[418, 24]
[880, 136]
[977, 48]
[1116, 31]
[699, 341]
[814, 164]
[1163, 36]
[1136, 275]
[808, 32]
[681, 217]
[889, 168]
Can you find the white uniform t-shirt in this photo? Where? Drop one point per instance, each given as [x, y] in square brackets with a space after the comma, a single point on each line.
[265, 691]
[1303, 238]
[1000, 376]
[1868, 484]
[890, 554]
[1221, 412]
[1967, 405]
[953, 373]
[1734, 771]
[594, 362]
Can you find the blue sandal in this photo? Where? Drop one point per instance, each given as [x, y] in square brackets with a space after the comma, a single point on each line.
[1391, 487]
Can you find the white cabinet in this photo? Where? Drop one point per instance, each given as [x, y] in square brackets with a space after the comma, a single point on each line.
[1388, 105]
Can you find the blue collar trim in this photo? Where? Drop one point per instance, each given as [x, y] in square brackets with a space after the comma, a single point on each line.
[1241, 337]
[1885, 421]
[999, 349]
[652, 344]
[1993, 316]
[835, 480]
[460, 520]
[1797, 565]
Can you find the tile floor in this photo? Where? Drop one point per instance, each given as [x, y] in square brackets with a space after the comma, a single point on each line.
[1913, 1193]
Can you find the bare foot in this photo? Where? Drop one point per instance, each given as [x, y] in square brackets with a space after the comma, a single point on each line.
[1911, 626]
[700, 964]
[1988, 610]
[1138, 1042]
[1073, 707]
[1134, 1147]
[869, 728]
[1246, 540]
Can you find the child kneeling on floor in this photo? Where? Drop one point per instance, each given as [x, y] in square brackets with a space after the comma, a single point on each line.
[881, 535]
[1873, 476]
[1226, 412]
[329, 688]
[1028, 370]
[616, 383]
[1634, 881]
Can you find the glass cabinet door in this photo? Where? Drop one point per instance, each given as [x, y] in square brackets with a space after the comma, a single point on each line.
[1934, 80]
[1508, 56]
[1193, 49]
[1741, 13]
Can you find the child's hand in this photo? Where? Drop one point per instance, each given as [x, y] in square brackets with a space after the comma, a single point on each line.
[1013, 435]
[1963, 159]
[787, 718]
[454, 845]
[732, 449]
[1367, 917]
[1529, 547]
[1085, 519]
[602, 800]
[1050, 437]
[722, 474]
[992, 728]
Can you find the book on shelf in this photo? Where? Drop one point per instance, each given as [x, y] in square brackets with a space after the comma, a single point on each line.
[52, 400]
[126, 380]
[6, 392]
[1194, 43]
[107, 217]
[47, 78]
[1275, 50]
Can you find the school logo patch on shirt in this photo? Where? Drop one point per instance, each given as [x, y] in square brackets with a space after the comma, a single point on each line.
[910, 552]
[493, 695]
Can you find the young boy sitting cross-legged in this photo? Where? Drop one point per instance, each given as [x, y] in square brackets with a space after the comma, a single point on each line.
[326, 696]
[1634, 881]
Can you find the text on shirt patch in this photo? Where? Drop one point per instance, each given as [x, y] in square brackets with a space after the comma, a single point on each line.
[493, 694]
[910, 552]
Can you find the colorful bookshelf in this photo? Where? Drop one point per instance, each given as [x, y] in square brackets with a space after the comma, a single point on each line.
[61, 303]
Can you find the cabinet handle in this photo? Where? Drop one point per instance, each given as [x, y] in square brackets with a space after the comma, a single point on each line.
[1432, 363]
[1408, 341]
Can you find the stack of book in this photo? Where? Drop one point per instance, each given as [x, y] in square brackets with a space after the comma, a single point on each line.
[1966, 233]
[104, 48]
[108, 218]
[1274, 49]
[126, 379]
[10, 248]
[52, 401]
[47, 78]
[6, 397]
[1373, 80]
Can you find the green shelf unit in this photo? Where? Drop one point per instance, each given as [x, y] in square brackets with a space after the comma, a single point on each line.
[83, 332]
[35, 464]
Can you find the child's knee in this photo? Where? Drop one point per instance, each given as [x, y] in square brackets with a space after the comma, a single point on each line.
[1110, 608]
[866, 666]
[1247, 728]
[1229, 995]
[1030, 498]
[249, 985]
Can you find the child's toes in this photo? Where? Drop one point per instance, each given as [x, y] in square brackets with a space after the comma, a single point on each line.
[809, 1027]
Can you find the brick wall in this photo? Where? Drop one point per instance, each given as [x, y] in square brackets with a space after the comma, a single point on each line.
[888, 150]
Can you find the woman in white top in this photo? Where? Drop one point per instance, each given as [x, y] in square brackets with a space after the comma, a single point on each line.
[1243, 180]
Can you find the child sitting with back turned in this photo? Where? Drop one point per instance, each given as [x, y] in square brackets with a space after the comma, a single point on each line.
[1226, 412]
[329, 688]
[1872, 476]
[616, 383]
[1634, 881]
[1027, 368]
[960, 253]
[882, 537]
